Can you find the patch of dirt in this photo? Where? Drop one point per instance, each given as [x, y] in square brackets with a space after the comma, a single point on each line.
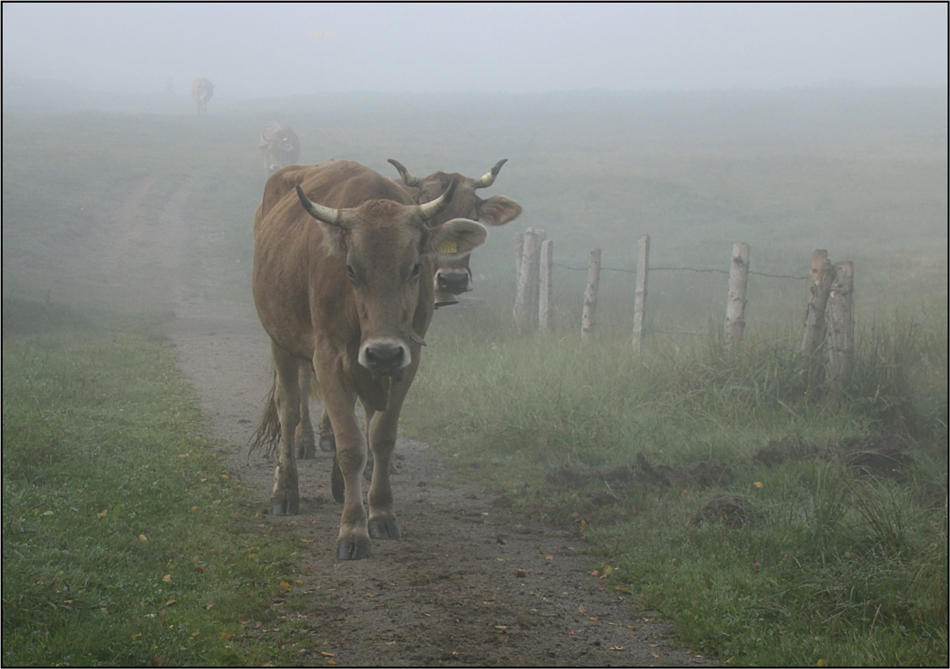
[471, 583]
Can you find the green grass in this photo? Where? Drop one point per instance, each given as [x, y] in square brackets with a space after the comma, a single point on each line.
[125, 541]
[841, 552]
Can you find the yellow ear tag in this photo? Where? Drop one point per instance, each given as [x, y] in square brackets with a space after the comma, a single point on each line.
[448, 248]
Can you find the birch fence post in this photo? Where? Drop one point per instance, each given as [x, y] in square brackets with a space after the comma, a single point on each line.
[640, 295]
[526, 305]
[735, 306]
[544, 301]
[840, 324]
[815, 318]
[590, 297]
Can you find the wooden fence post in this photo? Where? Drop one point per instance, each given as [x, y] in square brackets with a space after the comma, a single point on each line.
[840, 324]
[640, 295]
[519, 252]
[735, 306]
[544, 301]
[526, 305]
[815, 318]
[536, 281]
[590, 297]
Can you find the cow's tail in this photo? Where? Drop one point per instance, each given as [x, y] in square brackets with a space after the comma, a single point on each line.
[267, 433]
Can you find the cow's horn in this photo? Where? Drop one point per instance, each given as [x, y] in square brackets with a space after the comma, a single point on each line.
[407, 178]
[414, 336]
[489, 178]
[430, 210]
[318, 211]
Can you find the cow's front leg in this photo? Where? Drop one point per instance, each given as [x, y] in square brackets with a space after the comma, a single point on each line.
[339, 403]
[304, 443]
[285, 498]
[382, 438]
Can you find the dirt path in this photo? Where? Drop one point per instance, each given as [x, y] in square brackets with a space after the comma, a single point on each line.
[469, 584]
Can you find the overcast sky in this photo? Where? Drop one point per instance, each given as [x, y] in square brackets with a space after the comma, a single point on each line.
[255, 50]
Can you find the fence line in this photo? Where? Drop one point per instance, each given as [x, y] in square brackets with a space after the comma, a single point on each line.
[684, 269]
[826, 293]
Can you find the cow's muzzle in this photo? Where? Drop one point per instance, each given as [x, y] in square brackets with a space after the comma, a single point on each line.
[385, 357]
[451, 281]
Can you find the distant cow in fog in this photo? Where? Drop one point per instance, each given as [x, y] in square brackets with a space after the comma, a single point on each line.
[453, 274]
[201, 90]
[278, 146]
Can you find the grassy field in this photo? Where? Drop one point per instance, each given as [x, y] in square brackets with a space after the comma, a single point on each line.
[125, 542]
[773, 523]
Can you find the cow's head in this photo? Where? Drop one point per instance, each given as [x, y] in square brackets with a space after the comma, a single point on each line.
[278, 147]
[453, 275]
[389, 249]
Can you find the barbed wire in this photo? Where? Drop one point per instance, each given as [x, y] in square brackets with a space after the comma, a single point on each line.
[681, 269]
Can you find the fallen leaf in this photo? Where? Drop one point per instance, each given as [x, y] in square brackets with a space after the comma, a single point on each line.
[167, 578]
[549, 557]
[227, 635]
[615, 648]
[326, 654]
[285, 585]
[170, 602]
[501, 627]
[581, 608]
[654, 655]
[211, 605]
[298, 581]
[136, 636]
[142, 537]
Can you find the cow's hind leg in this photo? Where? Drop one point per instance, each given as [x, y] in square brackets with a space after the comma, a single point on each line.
[285, 499]
[304, 444]
[327, 440]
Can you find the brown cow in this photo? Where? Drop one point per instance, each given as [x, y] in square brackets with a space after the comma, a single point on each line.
[278, 146]
[201, 90]
[346, 285]
[453, 274]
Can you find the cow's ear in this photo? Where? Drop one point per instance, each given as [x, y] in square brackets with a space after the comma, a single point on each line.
[498, 210]
[456, 237]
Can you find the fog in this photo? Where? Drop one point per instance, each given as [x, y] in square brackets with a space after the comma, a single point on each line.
[258, 50]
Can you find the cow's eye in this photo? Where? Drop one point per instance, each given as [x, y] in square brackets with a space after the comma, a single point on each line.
[416, 269]
[351, 275]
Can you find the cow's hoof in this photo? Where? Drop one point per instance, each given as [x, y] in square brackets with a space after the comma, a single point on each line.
[328, 443]
[283, 508]
[381, 529]
[337, 485]
[354, 548]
